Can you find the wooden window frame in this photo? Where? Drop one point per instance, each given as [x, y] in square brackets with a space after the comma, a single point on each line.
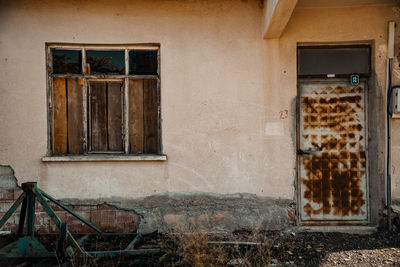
[108, 155]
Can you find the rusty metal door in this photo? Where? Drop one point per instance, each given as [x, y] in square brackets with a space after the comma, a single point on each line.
[332, 153]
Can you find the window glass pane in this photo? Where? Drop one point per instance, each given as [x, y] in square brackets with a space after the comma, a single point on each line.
[331, 60]
[105, 61]
[143, 62]
[66, 61]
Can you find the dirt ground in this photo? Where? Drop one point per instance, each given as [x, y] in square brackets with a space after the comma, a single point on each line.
[249, 249]
[311, 249]
[338, 249]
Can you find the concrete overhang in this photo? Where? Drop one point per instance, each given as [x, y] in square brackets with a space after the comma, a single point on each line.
[276, 15]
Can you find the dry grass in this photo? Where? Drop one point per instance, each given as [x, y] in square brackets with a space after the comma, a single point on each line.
[195, 246]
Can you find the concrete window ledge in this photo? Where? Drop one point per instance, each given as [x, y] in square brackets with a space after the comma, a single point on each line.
[103, 157]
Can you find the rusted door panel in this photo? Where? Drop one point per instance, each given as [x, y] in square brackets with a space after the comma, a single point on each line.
[332, 152]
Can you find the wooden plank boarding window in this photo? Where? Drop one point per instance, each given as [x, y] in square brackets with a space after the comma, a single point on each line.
[105, 123]
[103, 100]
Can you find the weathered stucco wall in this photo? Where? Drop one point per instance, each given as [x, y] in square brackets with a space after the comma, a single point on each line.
[212, 95]
[228, 96]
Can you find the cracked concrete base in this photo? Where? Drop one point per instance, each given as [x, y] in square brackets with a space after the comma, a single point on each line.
[184, 212]
[204, 212]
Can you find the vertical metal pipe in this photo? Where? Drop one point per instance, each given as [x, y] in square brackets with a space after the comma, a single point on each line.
[391, 29]
[389, 164]
[125, 102]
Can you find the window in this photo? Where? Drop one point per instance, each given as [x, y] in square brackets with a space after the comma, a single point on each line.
[320, 61]
[103, 100]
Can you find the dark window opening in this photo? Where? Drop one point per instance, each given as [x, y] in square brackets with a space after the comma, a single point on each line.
[105, 61]
[66, 61]
[341, 61]
[143, 62]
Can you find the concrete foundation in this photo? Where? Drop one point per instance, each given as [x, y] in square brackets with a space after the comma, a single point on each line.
[206, 212]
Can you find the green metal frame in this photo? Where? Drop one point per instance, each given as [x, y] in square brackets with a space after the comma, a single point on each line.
[28, 246]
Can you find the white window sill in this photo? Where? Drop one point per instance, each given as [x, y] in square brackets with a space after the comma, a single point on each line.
[104, 157]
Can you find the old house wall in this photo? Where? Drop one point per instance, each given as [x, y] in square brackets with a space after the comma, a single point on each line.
[212, 95]
[227, 103]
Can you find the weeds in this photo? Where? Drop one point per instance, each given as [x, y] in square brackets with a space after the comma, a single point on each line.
[198, 247]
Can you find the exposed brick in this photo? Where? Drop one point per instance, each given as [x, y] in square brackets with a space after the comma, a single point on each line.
[105, 206]
[9, 223]
[38, 215]
[2, 214]
[113, 228]
[17, 192]
[5, 205]
[62, 215]
[103, 217]
[71, 219]
[78, 208]
[53, 228]
[13, 228]
[55, 207]
[126, 216]
[80, 228]
[42, 229]
[130, 227]
[39, 207]
[41, 218]
[16, 218]
[6, 194]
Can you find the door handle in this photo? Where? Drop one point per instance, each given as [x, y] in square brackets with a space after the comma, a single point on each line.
[309, 151]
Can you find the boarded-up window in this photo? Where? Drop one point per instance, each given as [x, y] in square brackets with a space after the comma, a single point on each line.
[143, 114]
[101, 104]
[68, 117]
[105, 107]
